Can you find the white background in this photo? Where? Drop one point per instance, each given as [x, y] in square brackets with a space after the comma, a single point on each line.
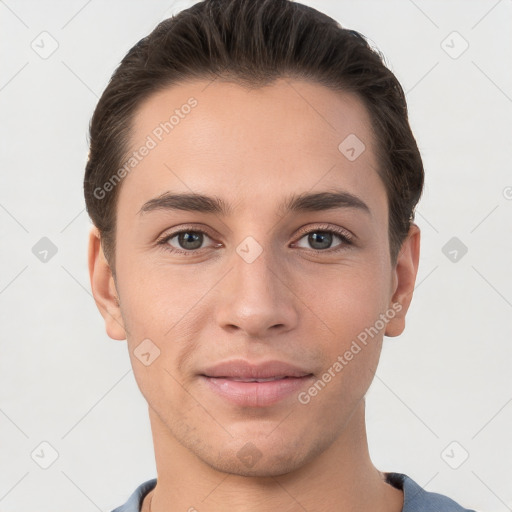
[447, 378]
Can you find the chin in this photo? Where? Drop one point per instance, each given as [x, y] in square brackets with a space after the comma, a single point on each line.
[258, 458]
[262, 468]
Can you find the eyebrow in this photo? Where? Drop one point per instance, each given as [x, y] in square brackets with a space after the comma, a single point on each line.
[305, 202]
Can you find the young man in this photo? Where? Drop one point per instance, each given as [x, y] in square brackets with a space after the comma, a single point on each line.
[252, 180]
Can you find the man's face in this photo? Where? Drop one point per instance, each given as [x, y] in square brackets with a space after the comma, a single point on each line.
[257, 282]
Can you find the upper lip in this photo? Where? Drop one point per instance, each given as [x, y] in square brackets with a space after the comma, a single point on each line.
[239, 368]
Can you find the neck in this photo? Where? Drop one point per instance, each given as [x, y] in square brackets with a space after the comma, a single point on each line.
[340, 478]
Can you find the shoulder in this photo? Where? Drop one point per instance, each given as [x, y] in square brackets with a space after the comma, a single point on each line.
[135, 500]
[416, 499]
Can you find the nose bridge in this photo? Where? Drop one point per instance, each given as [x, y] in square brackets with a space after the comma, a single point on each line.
[255, 299]
[253, 270]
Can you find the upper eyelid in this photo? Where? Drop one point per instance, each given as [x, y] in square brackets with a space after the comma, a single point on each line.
[192, 229]
[327, 227]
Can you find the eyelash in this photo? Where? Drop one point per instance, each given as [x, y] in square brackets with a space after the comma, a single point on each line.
[344, 235]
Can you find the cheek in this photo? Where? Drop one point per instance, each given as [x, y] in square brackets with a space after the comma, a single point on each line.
[164, 317]
[161, 344]
[346, 300]
[347, 331]
[155, 298]
[348, 334]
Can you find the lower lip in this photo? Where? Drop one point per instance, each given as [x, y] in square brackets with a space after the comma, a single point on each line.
[255, 394]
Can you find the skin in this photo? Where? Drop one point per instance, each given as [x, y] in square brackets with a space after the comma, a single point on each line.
[253, 149]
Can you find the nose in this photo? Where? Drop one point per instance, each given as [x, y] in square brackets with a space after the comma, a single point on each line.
[257, 297]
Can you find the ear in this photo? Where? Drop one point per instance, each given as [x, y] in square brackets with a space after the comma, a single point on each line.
[104, 288]
[404, 278]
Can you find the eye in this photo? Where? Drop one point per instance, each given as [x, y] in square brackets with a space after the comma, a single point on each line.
[184, 241]
[321, 239]
[189, 240]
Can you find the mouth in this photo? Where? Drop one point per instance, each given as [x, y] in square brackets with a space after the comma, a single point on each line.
[240, 379]
[254, 385]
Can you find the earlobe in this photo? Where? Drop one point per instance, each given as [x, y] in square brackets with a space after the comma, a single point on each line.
[103, 288]
[404, 279]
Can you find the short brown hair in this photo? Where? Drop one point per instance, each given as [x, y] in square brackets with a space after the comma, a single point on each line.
[252, 43]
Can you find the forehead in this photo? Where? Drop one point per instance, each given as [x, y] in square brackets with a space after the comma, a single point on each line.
[219, 137]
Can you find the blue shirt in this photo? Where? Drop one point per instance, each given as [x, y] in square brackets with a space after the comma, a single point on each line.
[416, 499]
